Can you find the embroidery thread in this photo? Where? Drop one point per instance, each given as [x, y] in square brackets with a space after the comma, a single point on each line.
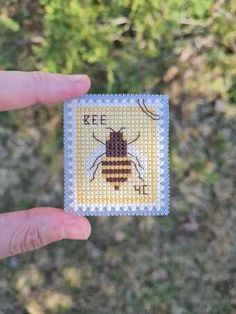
[116, 165]
[116, 155]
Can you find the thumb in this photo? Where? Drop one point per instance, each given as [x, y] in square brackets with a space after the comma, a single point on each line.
[31, 229]
[23, 89]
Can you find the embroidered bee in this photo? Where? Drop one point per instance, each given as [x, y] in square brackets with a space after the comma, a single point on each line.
[116, 161]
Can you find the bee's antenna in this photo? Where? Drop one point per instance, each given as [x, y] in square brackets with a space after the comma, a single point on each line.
[116, 131]
[111, 130]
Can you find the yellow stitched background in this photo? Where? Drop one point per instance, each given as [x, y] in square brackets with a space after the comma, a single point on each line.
[99, 191]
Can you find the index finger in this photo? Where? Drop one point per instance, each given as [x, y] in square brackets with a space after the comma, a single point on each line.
[23, 89]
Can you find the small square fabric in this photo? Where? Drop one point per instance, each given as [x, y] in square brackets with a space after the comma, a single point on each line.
[116, 155]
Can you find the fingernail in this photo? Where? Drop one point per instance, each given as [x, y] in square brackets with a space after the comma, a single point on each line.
[80, 78]
[75, 231]
[82, 82]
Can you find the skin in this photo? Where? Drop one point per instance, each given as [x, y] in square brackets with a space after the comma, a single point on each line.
[34, 228]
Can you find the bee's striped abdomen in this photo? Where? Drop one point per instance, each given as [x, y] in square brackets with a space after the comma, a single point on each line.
[116, 170]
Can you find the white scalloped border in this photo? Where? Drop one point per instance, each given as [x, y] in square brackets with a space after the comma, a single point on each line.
[70, 199]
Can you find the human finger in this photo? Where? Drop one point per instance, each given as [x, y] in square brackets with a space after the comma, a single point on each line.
[31, 229]
[23, 89]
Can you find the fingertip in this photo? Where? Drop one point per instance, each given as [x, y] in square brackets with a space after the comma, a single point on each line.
[86, 226]
[76, 227]
[60, 224]
[82, 84]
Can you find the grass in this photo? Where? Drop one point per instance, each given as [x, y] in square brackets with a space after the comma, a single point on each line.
[183, 263]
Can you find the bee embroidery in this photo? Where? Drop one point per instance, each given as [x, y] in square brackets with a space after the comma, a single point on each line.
[117, 161]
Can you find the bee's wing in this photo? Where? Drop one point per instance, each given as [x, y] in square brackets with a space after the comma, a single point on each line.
[140, 159]
[94, 158]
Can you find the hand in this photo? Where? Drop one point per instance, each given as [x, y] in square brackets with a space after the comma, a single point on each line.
[33, 228]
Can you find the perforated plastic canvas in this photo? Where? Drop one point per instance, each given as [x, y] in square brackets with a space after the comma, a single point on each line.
[116, 155]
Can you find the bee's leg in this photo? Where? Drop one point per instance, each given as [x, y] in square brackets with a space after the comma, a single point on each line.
[134, 140]
[95, 171]
[139, 175]
[94, 163]
[136, 159]
[98, 140]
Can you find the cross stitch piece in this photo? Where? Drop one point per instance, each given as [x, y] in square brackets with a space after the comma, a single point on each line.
[116, 155]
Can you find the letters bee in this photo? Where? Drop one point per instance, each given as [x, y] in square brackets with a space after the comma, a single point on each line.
[116, 161]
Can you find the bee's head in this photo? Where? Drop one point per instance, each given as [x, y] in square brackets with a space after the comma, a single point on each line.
[116, 135]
